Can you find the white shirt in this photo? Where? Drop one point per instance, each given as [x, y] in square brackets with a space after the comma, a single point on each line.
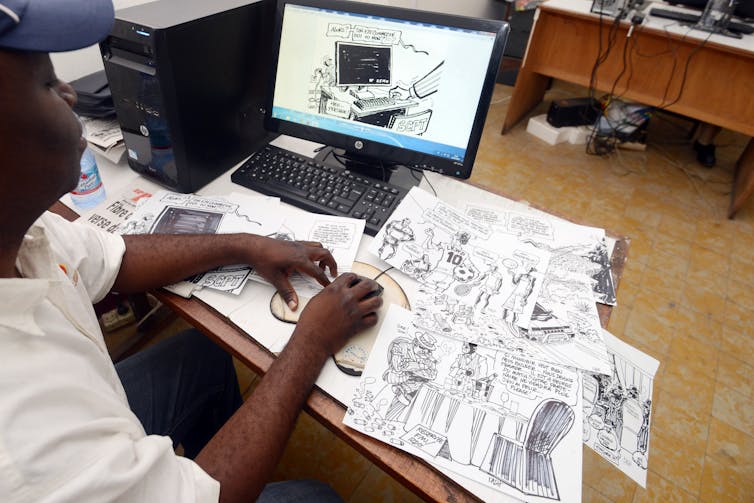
[66, 431]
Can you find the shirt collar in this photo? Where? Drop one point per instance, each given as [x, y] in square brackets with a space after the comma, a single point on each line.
[19, 297]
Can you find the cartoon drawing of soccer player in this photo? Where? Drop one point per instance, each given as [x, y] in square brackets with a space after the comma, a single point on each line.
[491, 281]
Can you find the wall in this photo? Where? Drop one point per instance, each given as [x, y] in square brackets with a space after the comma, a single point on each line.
[72, 65]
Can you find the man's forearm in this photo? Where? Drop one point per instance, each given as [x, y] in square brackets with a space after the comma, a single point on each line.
[243, 455]
[155, 260]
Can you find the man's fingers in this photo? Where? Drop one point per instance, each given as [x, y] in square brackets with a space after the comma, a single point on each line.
[325, 259]
[286, 291]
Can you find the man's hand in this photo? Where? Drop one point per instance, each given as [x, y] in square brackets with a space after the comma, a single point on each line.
[338, 312]
[275, 260]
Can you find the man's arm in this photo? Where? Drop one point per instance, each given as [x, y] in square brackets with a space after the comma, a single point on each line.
[155, 260]
[245, 452]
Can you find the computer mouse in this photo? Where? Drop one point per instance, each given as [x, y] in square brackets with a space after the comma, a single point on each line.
[373, 293]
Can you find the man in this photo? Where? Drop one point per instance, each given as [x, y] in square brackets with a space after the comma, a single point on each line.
[468, 367]
[67, 432]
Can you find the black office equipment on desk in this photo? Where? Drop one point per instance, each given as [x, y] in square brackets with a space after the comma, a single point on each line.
[189, 80]
[691, 18]
[316, 187]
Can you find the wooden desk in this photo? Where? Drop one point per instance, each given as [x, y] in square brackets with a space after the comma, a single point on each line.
[412, 472]
[717, 89]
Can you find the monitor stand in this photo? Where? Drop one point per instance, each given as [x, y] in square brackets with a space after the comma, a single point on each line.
[394, 174]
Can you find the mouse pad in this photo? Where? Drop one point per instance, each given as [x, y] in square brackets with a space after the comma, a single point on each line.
[353, 357]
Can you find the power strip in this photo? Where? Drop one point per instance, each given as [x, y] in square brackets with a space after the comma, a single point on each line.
[116, 318]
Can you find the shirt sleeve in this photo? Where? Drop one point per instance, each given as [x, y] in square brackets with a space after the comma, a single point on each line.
[95, 254]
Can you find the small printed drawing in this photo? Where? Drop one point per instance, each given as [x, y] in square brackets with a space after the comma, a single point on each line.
[175, 220]
[396, 232]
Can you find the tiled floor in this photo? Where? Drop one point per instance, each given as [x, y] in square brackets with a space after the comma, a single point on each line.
[684, 298]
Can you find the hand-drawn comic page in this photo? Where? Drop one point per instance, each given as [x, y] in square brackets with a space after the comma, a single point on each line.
[575, 248]
[618, 409]
[471, 277]
[173, 213]
[565, 326]
[496, 417]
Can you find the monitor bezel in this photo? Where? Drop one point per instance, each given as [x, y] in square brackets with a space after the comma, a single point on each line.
[364, 148]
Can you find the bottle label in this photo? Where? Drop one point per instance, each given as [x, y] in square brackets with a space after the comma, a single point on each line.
[88, 184]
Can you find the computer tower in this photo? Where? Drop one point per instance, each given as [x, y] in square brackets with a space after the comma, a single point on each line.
[189, 80]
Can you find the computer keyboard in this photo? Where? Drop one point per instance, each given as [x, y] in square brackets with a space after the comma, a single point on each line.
[315, 187]
[372, 103]
[687, 17]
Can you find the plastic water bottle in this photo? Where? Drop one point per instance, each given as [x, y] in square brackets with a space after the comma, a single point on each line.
[90, 191]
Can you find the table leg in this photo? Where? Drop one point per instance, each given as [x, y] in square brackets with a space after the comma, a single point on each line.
[528, 93]
[743, 181]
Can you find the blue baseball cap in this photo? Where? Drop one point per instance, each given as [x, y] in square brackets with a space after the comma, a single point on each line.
[54, 25]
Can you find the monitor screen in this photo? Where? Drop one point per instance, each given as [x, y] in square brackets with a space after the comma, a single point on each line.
[390, 84]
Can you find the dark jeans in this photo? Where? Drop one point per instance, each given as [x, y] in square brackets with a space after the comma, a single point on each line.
[186, 387]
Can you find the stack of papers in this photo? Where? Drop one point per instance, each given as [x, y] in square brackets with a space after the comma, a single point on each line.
[502, 369]
[105, 138]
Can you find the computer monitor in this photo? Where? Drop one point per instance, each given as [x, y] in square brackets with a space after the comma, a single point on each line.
[744, 9]
[389, 86]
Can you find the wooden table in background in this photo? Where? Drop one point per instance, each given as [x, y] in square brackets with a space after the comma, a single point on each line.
[717, 89]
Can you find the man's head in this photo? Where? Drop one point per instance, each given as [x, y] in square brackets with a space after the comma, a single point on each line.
[40, 138]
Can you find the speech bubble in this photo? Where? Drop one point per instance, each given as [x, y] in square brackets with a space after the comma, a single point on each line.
[338, 108]
[339, 30]
[485, 255]
[333, 234]
[528, 226]
[453, 221]
[375, 35]
[486, 216]
[535, 379]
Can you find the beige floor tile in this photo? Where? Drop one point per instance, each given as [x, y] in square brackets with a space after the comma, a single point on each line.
[736, 314]
[699, 325]
[662, 490]
[736, 374]
[681, 228]
[733, 408]
[703, 259]
[716, 236]
[678, 380]
[738, 340]
[706, 302]
[605, 478]
[722, 483]
[694, 353]
[667, 285]
[674, 461]
[731, 446]
[378, 487]
[590, 495]
[744, 270]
